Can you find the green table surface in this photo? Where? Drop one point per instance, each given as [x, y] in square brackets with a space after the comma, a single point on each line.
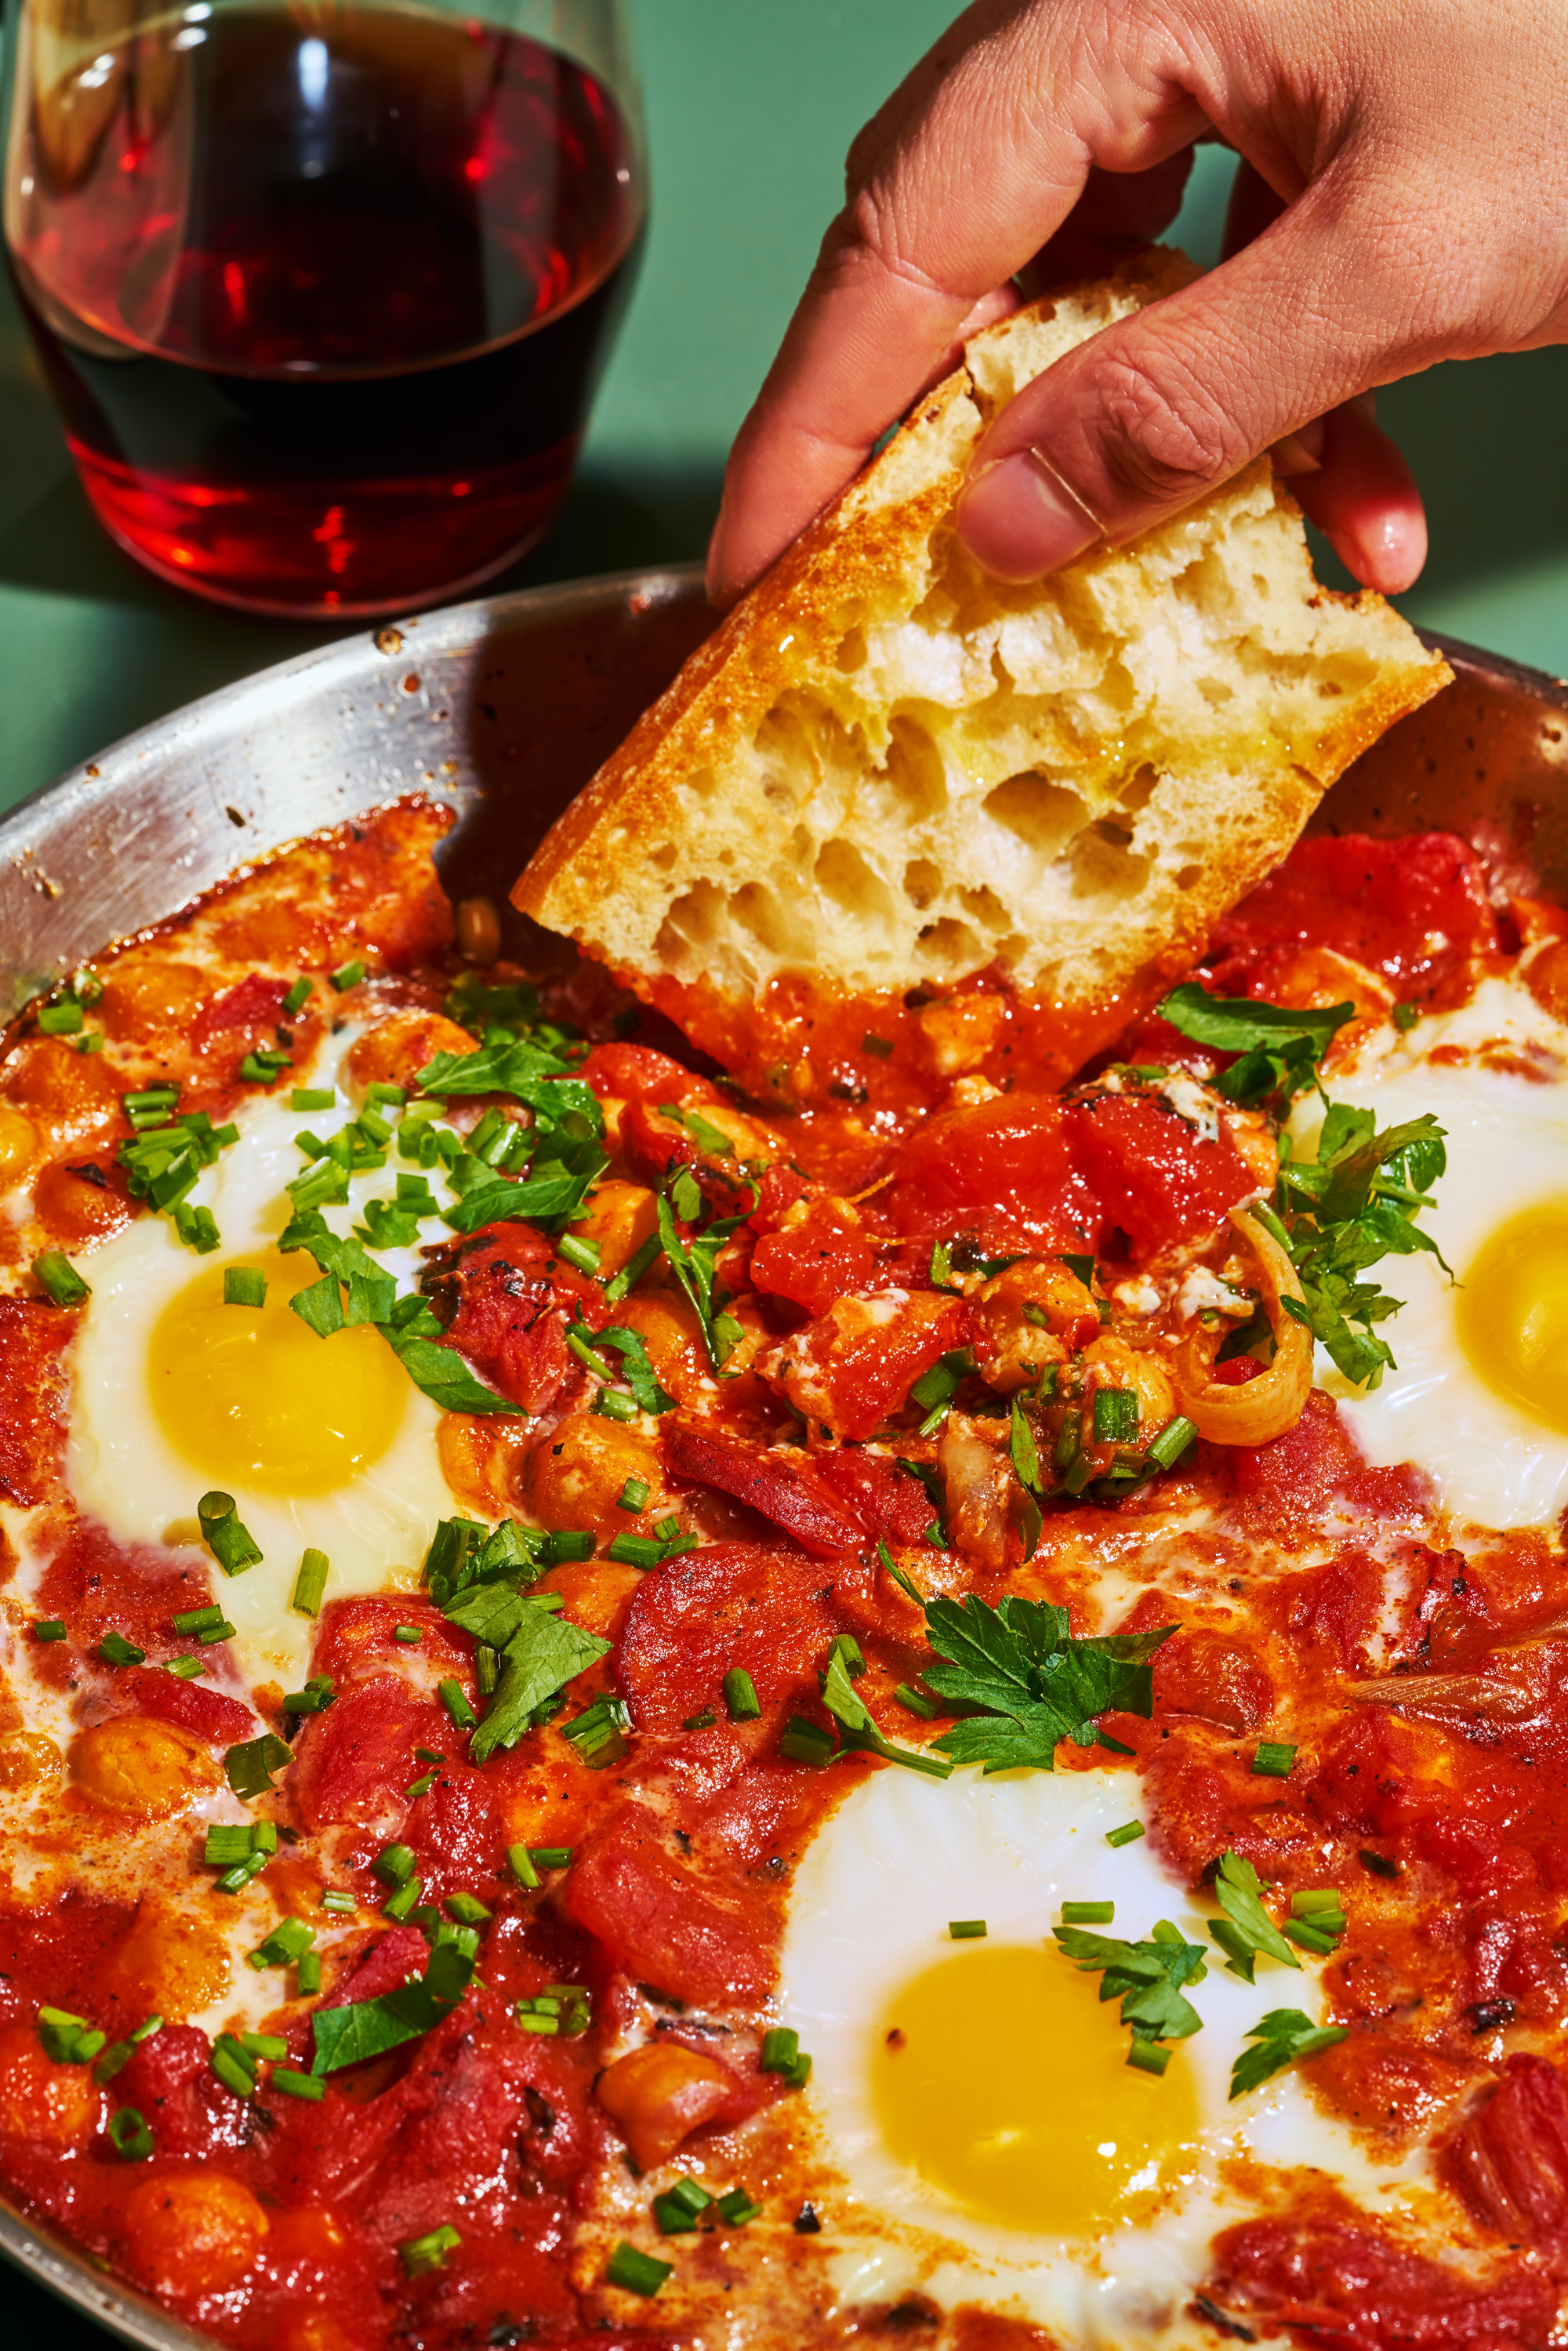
[750, 108]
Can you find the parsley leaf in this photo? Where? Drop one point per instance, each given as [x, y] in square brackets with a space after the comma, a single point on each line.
[633, 1349]
[1282, 2038]
[692, 1263]
[368, 2028]
[406, 1324]
[1146, 1977]
[858, 1733]
[713, 1139]
[1246, 1928]
[542, 1653]
[1027, 1682]
[1280, 1047]
[504, 1064]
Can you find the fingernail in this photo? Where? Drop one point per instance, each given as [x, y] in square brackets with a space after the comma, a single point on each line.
[1300, 451]
[1020, 519]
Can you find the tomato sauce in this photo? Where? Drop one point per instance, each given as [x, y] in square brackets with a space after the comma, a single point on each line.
[920, 1225]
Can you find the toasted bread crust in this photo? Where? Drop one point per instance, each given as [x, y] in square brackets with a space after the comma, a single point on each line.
[887, 770]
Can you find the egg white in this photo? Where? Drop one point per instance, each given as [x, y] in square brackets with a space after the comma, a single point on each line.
[870, 1909]
[1508, 1152]
[122, 1469]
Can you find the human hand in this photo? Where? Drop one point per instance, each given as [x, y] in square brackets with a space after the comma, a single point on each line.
[1401, 200]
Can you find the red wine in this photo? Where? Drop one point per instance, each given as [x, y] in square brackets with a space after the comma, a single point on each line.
[323, 296]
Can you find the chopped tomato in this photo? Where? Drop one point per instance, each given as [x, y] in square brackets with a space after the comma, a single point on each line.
[730, 1604]
[638, 1073]
[507, 1297]
[1510, 2161]
[779, 1484]
[353, 1762]
[254, 1006]
[1410, 908]
[1295, 1475]
[33, 1341]
[1004, 1170]
[812, 1263]
[660, 1925]
[891, 1504]
[208, 1712]
[1152, 1177]
[854, 1366]
[171, 2079]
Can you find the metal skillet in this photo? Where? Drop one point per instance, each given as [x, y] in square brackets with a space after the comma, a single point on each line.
[503, 707]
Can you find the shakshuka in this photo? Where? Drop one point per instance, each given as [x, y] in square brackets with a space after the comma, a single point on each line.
[632, 1721]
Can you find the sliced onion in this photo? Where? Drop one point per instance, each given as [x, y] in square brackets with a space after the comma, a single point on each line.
[1515, 1691]
[1261, 1407]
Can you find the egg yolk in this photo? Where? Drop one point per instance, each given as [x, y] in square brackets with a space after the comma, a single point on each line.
[1000, 2077]
[254, 1399]
[1512, 1313]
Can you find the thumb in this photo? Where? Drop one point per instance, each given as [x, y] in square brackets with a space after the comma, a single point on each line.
[1154, 411]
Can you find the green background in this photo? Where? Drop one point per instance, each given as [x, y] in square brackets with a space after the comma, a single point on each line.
[751, 105]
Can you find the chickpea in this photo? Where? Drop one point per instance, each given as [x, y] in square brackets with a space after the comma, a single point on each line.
[40, 2100]
[141, 1000]
[18, 1143]
[658, 2095]
[135, 1763]
[576, 1474]
[674, 1342]
[484, 1459]
[1111, 1363]
[1016, 1344]
[1546, 977]
[621, 1217]
[73, 1209]
[389, 1053]
[597, 1594]
[192, 2232]
[28, 1760]
[171, 1961]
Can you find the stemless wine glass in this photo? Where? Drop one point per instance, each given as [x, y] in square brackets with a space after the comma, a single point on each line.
[323, 289]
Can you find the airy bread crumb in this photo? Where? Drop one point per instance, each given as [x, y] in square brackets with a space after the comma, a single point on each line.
[887, 770]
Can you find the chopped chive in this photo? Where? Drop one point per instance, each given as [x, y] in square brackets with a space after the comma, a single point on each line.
[636, 2273]
[235, 2069]
[1128, 1833]
[229, 1542]
[249, 1766]
[702, 1721]
[399, 1905]
[1166, 1449]
[551, 1857]
[309, 1584]
[408, 1634]
[740, 1697]
[422, 2254]
[295, 2084]
[130, 2135]
[468, 1910]
[667, 1529]
[610, 1405]
[119, 2053]
[334, 1897]
[186, 1669]
[269, 2045]
[521, 1862]
[428, 1755]
[289, 1940]
[243, 1285]
[803, 1742]
[49, 1628]
[1405, 1016]
[1149, 2056]
[566, 1547]
[262, 1067]
[308, 1974]
[916, 1701]
[737, 2209]
[580, 1251]
[1312, 1936]
[598, 1732]
[676, 2211]
[297, 997]
[61, 1019]
[116, 1650]
[222, 1631]
[227, 1842]
[316, 1696]
[1088, 1914]
[1272, 1760]
[91, 1041]
[69, 2038]
[59, 1278]
[456, 1705]
[420, 1787]
[347, 976]
[1304, 1905]
[634, 1551]
[847, 1650]
[396, 1864]
[633, 1495]
[1116, 1415]
[969, 1930]
[197, 1620]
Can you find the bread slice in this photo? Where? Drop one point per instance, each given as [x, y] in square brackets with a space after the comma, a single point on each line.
[887, 771]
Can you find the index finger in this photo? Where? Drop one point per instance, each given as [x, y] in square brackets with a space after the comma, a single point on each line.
[955, 185]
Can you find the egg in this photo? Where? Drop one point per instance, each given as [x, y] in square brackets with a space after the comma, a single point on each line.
[992, 2143]
[1478, 1395]
[325, 1444]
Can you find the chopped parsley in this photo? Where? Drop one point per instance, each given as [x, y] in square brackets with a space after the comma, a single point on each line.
[1281, 2038]
[1146, 1978]
[369, 2028]
[1245, 1932]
